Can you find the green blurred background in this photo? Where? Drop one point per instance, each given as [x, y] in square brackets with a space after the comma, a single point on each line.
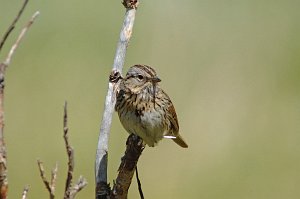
[232, 69]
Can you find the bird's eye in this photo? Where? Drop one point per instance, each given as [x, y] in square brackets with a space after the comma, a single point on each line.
[140, 77]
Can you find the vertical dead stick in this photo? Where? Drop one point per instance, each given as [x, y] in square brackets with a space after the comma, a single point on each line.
[134, 148]
[3, 66]
[70, 153]
[102, 188]
[70, 192]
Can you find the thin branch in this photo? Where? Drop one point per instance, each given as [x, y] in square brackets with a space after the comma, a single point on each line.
[78, 187]
[43, 176]
[49, 186]
[134, 148]
[70, 153]
[25, 191]
[139, 183]
[102, 187]
[20, 37]
[53, 178]
[13, 24]
[70, 191]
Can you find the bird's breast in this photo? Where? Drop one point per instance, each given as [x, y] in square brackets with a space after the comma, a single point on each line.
[138, 115]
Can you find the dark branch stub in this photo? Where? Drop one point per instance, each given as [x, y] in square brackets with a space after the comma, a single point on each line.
[134, 149]
[130, 4]
[115, 76]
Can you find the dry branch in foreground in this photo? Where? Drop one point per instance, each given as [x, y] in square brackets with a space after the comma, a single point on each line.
[3, 66]
[71, 191]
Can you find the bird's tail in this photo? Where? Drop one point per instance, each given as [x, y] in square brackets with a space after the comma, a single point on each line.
[178, 140]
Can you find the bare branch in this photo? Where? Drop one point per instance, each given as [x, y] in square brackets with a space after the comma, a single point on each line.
[49, 186]
[25, 191]
[13, 24]
[130, 4]
[70, 153]
[102, 188]
[134, 148]
[53, 178]
[19, 39]
[78, 187]
[70, 191]
[43, 176]
[3, 66]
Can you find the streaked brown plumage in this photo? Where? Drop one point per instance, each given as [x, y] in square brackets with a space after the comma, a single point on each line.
[145, 109]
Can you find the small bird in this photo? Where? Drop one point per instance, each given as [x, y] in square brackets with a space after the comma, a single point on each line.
[145, 109]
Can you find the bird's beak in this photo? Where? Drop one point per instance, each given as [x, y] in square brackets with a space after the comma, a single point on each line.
[156, 79]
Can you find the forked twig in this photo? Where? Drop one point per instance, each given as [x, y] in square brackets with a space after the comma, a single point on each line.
[70, 191]
[81, 183]
[19, 39]
[50, 186]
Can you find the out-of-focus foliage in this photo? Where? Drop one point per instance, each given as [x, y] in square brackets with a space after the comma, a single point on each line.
[232, 69]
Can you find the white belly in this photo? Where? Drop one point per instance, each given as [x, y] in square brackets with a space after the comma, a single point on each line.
[148, 125]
